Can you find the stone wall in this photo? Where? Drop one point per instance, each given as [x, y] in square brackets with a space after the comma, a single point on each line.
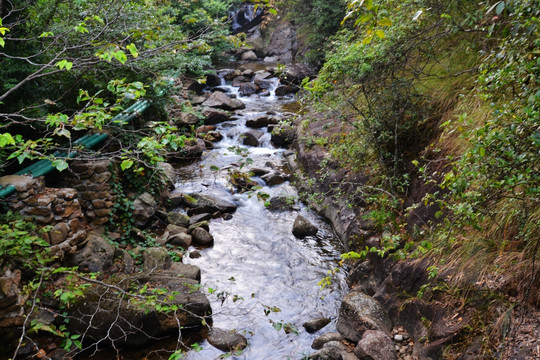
[91, 179]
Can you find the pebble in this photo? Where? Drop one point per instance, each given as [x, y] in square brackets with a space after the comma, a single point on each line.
[398, 337]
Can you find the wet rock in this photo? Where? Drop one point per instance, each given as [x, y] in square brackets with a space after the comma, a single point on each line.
[315, 324]
[248, 89]
[239, 80]
[206, 203]
[195, 254]
[283, 135]
[215, 116]
[283, 90]
[229, 74]
[226, 340]
[175, 200]
[375, 345]
[319, 342]
[222, 101]
[281, 203]
[302, 227]
[96, 256]
[156, 258]
[273, 178]
[202, 237]
[248, 56]
[144, 208]
[359, 313]
[251, 138]
[262, 121]
[182, 239]
[213, 80]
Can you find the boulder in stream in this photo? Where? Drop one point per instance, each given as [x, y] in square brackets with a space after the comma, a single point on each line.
[302, 227]
[262, 121]
[214, 116]
[222, 101]
[248, 89]
[375, 345]
[315, 325]
[202, 237]
[207, 203]
[226, 340]
[252, 137]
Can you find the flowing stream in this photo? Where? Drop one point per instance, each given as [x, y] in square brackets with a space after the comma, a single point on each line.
[261, 277]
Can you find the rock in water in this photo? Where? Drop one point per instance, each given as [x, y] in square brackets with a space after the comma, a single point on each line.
[222, 101]
[302, 227]
[226, 340]
[315, 324]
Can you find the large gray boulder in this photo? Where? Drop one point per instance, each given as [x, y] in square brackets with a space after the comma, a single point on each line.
[202, 237]
[206, 203]
[375, 345]
[144, 208]
[226, 340]
[252, 137]
[359, 313]
[96, 256]
[214, 116]
[302, 227]
[221, 101]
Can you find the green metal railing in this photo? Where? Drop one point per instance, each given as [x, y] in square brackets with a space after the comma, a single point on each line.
[88, 141]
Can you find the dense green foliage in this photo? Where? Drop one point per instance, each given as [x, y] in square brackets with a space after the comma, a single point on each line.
[69, 66]
[317, 21]
[445, 91]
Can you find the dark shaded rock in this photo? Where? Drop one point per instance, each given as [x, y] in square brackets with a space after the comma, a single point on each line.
[215, 116]
[182, 239]
[375, 345]
[248, 89]
[193, 149]
[96, 256]
[222, 101]
[262, 79]
[132, 324]
[193, 85]
[202, 237]
[283, 90]
[302, 227]
[226, 340]
[195, 254]
[262, 121]
[202, 224]
[319, 342]
[316, 324]
[280, 203]
[239, 80]
[359, 313]
[251, 138]
[283, 136]
[213, 80]
[175, 200]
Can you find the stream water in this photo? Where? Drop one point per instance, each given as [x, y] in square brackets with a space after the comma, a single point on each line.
[256, 264]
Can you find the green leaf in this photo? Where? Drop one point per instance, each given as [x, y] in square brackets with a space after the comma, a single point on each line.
[214, 168]
[46, 34]
[500, 8]
[60, 164]
[120, 56]
[380, 34]
[272, 11]
[126, 164]
[2, 42]
[133, 50]
[385, 22]
[6, 139]
[3, 30]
